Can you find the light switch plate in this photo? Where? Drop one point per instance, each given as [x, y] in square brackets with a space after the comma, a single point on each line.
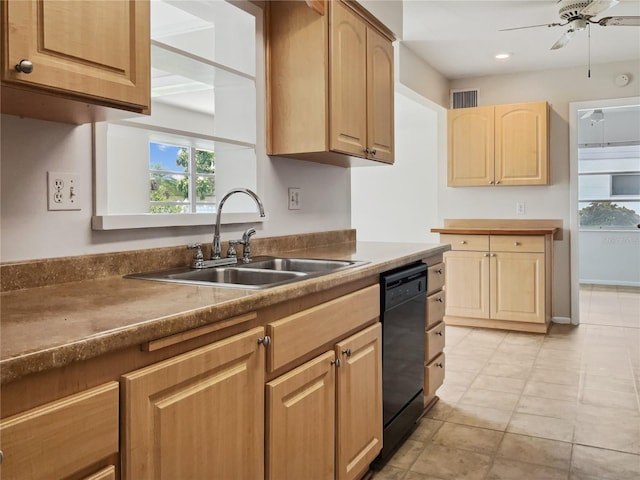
[295, 200]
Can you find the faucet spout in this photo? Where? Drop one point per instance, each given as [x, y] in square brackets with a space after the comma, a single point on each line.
[215, 248]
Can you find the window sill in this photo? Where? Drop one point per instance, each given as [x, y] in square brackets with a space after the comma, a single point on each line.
[149, 220]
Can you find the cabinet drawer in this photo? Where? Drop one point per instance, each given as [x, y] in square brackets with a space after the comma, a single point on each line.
[65, 436]
[434, 341]
[466, 242]
[434, 375]
[435, 278]
[517, 243]
[435, 308]
[300, 333]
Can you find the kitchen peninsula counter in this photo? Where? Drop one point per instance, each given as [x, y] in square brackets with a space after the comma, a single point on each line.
[52, 326]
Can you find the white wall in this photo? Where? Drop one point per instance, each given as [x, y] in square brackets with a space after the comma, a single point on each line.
[559, 88]
[399, 203]
[30, 148]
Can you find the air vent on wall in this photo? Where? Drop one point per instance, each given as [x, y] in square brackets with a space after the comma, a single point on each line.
[464, 98]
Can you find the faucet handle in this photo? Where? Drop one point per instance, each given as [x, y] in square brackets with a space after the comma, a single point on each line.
[247, 234]
[231, 252]
[198, 256]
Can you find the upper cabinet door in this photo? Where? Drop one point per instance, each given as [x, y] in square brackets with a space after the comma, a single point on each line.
[98, 50]
[379, 97]
[471, 146]
[521, 144]
[348, 83]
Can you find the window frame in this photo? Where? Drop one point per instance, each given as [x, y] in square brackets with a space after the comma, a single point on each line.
[103, 220]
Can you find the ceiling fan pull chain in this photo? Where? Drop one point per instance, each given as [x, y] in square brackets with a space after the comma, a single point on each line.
[589, 48]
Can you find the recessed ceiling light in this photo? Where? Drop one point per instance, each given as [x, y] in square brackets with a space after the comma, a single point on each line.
[502, 56]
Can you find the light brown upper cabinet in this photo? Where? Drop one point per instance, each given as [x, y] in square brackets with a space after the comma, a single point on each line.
[68, 60]
[499, 145]
[330, 84]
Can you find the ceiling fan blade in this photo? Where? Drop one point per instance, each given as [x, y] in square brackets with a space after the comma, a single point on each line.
[533, 26]
[563, 40]
[620, 21]
[598, 6]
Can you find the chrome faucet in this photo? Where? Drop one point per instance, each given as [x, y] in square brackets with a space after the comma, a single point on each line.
[215, 249]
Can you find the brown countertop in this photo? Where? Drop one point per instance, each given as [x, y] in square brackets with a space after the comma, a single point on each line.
[496, 231]
[51, 326]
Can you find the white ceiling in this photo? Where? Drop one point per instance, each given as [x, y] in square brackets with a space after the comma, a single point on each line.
[460, 38]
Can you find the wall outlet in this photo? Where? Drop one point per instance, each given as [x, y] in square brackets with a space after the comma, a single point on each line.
[295, 200]
[62, 188]
[519, 208]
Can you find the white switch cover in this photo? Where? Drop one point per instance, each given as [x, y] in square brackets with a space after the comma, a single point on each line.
[62, 191]
[295, 200]
[519, 208]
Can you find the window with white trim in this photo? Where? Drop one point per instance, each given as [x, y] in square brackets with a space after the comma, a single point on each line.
[169, 168]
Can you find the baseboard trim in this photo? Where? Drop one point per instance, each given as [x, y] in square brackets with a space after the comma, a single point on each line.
[562, 320]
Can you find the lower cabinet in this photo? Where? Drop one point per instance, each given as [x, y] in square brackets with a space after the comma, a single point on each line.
[499, 281]
[324, 418]
[434, 330]
[198, 415]
[74, 437]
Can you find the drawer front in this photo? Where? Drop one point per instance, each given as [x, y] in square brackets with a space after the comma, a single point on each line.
[435, 341]
[75, 433]
[434, 375]
[435, 278]
[517, 243]
[466, 242]
[300, 333]
[435, 309]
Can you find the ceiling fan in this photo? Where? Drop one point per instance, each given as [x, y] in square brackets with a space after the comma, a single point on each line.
[578, 14]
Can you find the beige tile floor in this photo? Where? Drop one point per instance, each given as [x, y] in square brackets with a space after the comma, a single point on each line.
[526, 406]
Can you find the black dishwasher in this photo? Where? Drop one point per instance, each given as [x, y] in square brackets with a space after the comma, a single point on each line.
[403, 301]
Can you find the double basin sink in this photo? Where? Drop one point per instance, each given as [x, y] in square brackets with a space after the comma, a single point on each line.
[262, 272]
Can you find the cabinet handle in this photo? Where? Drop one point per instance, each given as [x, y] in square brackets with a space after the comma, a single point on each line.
[516, 244]
[336, 362]
[439, 333]
[1, 456]
[24, 66]
[266, 340]
[347, 352]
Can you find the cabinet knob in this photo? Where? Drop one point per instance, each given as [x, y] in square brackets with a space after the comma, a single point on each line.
[516, 244]
[25, 66]
[439, 299]
[439, 365]
[373, 151]
[490, 182]
[347, 352]
[497, 182]
[463, 242]
[439, 271]
[266, 340]
[367, 151]
[485, 254]
[336, 362]
[439, 333]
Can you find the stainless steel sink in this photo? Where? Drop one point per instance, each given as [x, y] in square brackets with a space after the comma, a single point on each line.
[305, 265]
[262, 272]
